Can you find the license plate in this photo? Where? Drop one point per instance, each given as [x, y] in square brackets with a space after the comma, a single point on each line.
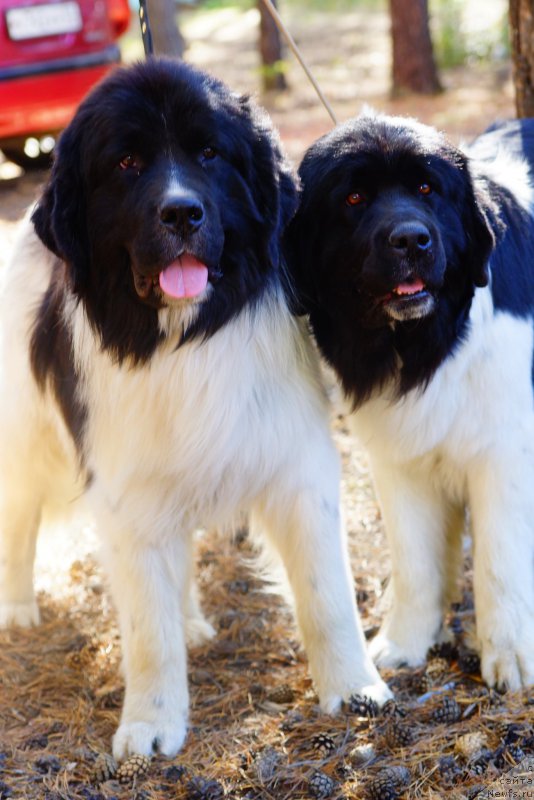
[50, 19]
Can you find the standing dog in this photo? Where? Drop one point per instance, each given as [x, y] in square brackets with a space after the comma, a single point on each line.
[146, 345]
[416, 263]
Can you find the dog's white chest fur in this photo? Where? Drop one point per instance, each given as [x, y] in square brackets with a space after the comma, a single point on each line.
[466, 406]
[210, 421]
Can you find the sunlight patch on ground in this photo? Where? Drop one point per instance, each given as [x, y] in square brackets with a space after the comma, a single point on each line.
[59, 546]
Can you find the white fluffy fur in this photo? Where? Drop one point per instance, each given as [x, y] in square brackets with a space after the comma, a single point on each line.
[236, 423]
[468, 439]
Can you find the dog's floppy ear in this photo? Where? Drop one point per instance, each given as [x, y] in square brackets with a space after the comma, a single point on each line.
[60, 215]
[480, 235]
[272, 180]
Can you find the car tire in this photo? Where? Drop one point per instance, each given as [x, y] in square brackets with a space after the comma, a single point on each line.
[16, 154]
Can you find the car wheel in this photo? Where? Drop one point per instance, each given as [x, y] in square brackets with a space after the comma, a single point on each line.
[20, 154]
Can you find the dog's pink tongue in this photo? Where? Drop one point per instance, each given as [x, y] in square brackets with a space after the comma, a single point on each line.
[410, 288]
[185, 277]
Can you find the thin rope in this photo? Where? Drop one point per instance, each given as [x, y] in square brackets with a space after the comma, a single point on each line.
[292, 44]
[146, 33]
[149, 47]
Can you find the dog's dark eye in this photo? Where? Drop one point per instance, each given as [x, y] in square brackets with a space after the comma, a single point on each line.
[129, 162]
[424, 188]
[209, 153]
[355, 199]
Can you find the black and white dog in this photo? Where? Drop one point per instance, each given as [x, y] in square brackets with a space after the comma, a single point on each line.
[147, 347]
[416, 263]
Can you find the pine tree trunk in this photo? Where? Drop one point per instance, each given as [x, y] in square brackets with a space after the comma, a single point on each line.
[166, 35]
[270, 50]
[522, 33]
[414, 67]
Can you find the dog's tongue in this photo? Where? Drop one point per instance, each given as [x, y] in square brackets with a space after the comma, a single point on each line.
[185, 277]
[410, 288]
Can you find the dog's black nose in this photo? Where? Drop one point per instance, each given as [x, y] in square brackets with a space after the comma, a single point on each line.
[183, 214]
[410, 238]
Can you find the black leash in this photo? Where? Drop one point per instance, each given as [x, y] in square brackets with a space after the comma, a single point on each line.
[146, 33]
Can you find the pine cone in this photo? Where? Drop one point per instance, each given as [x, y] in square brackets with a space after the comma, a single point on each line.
[450, 771]
[282, 694]
[134, 767]
[323, 743]
[446, 650]
[321, 785]
[362, 706]
[470, 745]
[448, 711]
[199, 788]
[436, 669]
[388, 784]
[397, 734]
[469, 662]
[510, 733]
[498, 757]
[391, 710]
[105, 768]
[421, 682]
[361, 755]
[516, 752]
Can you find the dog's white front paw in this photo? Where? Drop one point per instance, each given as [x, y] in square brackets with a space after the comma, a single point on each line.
[507, 667]
[22, 614]
[386, 652]
[147, 738]
[198, 631]
[370, 685]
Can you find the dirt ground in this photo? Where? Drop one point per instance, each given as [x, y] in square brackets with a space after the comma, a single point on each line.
[60, 685]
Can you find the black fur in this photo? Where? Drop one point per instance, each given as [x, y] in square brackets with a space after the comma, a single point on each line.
[51, 357]
[104, 222]
[344, 268]
[512, 281]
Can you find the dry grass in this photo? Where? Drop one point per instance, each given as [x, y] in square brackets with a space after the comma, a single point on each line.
[62, 689]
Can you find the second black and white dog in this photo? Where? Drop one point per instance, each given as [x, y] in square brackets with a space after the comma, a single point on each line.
[416, 263]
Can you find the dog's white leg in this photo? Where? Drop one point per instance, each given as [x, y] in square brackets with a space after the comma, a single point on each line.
[415, 517]
[501, 493]
[301, 516]
[197, 628]
[454, 557]
[149, 581]
[20, 513]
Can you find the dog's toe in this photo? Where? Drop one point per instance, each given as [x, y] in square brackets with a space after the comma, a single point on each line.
[147, 739]
[507, 670]
[367, 684]
[387, 653]
[198, 631]
[23, 615]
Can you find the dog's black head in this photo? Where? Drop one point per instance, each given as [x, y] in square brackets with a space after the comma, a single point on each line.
[166, 190]
[387, 247]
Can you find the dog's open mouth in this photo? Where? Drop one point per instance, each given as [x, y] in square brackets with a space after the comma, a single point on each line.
[409, 300]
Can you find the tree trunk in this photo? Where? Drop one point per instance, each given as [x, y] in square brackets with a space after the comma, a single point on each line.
[414, 68]
[522, 33]
[166, 35]
[270, 51]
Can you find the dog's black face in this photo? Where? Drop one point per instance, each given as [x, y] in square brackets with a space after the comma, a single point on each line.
[387, 247]
[166, 190]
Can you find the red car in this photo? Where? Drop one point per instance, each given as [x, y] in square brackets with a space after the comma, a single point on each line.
[51, 53]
